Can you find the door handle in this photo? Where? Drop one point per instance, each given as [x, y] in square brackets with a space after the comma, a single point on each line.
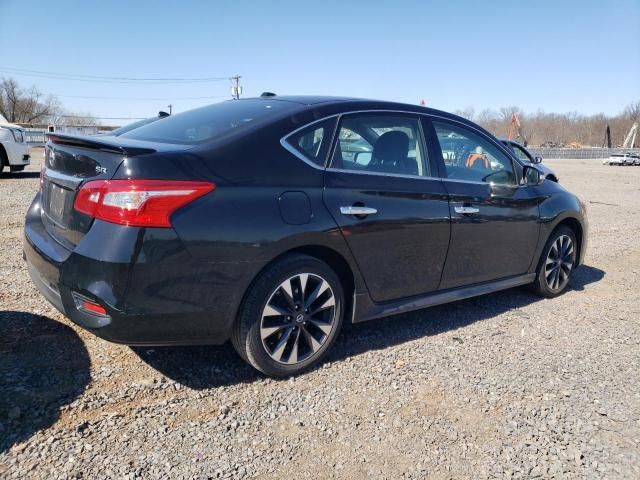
[356, 210]
[466, 210]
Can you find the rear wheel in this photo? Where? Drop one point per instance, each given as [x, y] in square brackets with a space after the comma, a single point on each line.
[290, 317]
[557, 263]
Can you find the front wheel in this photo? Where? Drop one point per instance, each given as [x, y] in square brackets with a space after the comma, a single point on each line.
[290, 317]
[557, 263]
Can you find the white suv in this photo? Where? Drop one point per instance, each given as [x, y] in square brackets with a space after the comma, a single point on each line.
[14, 150]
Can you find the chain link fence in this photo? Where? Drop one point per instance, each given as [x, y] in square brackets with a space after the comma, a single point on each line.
[580, 153]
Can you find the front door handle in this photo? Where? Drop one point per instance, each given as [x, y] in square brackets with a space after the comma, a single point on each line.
[466, 210]
[356, 210]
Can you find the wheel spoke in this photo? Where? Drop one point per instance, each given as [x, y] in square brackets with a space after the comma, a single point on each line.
[317, 292]
[556, 278]
[293, 356]
[311, 341]
[286, 287]
[266, 332]
[323, 326]
[274, 311]
[281, 345]
[329, 302]
[304, 279]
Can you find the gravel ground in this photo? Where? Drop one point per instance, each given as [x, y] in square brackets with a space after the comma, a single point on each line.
[505, 385]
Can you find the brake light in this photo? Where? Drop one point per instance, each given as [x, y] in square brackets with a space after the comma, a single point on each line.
[138, 203]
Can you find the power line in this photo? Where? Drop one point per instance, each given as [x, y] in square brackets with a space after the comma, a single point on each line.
[107, 79]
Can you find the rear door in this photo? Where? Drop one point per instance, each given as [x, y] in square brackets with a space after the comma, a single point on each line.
[494, 220]
[392, 212]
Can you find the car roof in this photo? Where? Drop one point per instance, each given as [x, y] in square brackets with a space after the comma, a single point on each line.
[347, 103]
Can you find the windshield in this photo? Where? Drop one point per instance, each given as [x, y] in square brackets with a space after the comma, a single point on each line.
[207, 123]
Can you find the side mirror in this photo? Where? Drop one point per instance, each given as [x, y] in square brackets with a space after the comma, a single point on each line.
[531, 176]
[537, 159]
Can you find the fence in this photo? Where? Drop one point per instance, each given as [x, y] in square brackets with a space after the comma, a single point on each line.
[579, 153]
[36, 137]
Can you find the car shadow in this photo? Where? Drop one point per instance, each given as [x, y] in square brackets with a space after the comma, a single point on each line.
[213, 366]
[44, 365]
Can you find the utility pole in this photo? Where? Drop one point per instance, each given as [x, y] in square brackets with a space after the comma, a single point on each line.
[170, 108]
[236, 89]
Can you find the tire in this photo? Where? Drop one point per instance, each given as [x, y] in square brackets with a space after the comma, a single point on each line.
[274, 337]
[557, 263]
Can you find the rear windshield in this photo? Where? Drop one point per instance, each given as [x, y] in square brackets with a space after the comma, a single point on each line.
[207, 123]
[131, 126]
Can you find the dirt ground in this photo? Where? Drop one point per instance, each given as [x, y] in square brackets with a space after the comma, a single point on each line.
[506, 385]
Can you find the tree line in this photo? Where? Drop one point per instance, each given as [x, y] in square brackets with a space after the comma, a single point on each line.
[31, 106]
[559, 129]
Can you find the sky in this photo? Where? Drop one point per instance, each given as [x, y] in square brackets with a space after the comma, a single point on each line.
[558, 56]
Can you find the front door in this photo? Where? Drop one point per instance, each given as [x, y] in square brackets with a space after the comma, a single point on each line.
[494, 220]
[393, 214]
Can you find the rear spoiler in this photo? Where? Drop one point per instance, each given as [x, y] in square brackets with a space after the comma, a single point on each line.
[103, 145]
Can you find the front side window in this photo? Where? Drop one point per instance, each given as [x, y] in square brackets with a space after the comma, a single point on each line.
[380, 144]
[312, 143]
[470, 157]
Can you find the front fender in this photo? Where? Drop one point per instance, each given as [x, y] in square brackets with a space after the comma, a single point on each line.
[561, 206]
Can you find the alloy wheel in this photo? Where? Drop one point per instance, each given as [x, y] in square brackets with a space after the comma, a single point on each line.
[298, 318]
[559, 263]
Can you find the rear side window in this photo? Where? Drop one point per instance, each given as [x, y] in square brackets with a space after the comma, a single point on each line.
[381, 144]
[210, 122]
[312, 143]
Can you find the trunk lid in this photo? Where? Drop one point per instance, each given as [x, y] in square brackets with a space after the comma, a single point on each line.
[70, 161]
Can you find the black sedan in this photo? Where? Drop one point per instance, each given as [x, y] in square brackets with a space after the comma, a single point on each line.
[246, 220]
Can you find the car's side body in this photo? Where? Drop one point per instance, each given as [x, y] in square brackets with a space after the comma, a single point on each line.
[14, 149]
[184, 285]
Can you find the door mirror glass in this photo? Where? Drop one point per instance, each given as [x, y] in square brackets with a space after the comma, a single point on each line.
[532, 176]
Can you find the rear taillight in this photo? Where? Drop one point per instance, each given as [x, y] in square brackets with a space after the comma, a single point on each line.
[139, 203]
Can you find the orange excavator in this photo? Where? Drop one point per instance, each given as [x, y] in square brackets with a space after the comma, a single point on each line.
[515, 129]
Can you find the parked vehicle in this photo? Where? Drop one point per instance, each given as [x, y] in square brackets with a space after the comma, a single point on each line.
[15, 153]
[244, 220]
[623, 159]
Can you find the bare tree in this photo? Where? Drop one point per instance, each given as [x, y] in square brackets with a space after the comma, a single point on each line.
[633, 111]
[20, 105]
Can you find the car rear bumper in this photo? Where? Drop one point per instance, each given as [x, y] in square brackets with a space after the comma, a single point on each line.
[171, 301]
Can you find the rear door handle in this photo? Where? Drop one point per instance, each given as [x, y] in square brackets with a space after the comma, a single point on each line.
[466, 210]
[356, 210]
